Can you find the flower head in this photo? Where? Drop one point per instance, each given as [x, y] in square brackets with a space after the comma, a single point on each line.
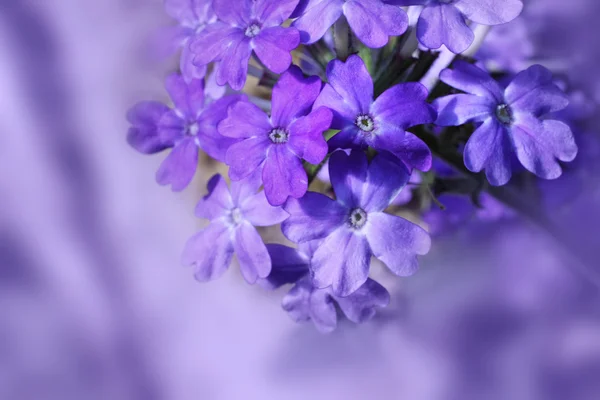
[444, 22]
[379, 123]
[512, 121]
[372, 21]
[305, 302]
[233, 216]
[278, 144]
[245, 26]
[353, 227]
[191, 124]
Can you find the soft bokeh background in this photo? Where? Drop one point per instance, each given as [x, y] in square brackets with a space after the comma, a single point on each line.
[94, 303]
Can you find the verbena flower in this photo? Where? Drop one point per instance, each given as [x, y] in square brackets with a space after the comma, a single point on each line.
[372, 21]
[444, 22]
[245, 26]
[305, 302]
[189, 126]
[233, 216]
[193, 16]
[379, 123]
[276, 145]
[353, 227]
[512, 121]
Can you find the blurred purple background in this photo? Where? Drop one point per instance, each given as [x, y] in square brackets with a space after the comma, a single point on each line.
[94, 303]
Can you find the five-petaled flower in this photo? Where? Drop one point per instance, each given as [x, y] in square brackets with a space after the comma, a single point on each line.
[512, 121]
[278, 144]
[380, 124]
[444, 22]
[305, 302]
[372, 21]
[233, 216]
[353, 227]
[245, 26]
[190, 125]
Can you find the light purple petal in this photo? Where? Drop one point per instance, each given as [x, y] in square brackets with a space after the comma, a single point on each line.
[210, 251]
[411, 150]
[213, 42]
[251, 253]
[273, 47]
[300, 9]
[473, 80]
[443, 24]
[458, 109]
[293, 96]
[143, 134]
[349, 137]
[189, 99]
[306, 135]
[274, 12]
[490, 12]
[534, 91]
[288, 266]
[360, 306]
[385, 178]
[235, 13]
[245, 120]
[348, 174]
[233, 67]
[179, 167]
[489, 147]
[404, 105]
[297, 301]
[373, 21]
[539, 144]
[283, 175]
[322, 310]
[172, 127]
[341, 261]
[189, 70]
[218, 200]
[314, 216]
[397, 242]
[245, 188]
[318, 16]
[257, 210]
[344, 114]
[246, 156]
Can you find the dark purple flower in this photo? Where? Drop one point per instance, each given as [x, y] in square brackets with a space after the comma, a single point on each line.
[193, 16]
[190, 125]
[278, 144]
[245, 26]
[512, 121]
[233, 216]
[444, 22]
[380, 124]
[372, 21]
[305, 302]
[354, 227]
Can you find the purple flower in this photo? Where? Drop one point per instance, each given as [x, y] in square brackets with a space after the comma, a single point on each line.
[193, 16]
[511, 121]
[380, 124]
[444, 22]
[245, 26]
[305, 302]
[354, 227]
[190, 125]
[278, 144]
[233, 216]
[372, 21]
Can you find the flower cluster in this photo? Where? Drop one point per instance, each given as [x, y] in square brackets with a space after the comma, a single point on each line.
[362, 132]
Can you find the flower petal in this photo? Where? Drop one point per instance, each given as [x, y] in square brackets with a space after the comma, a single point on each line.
[534, 91]
[257, 210]
[189, 70]
[251, 253]
[489, 147]
[385, 178]
[443, 24]
[318, 16]
[245, 120]
[218, 200]
[293, 96]
[213, 42]
[288, 266]
[322, 310]
[490, 12]
[397, 242]
[344, 113]
[348, 138]
[360, 305]
[314, 216]
[373, 21]
[458, 109]
[283, 175]
[246, 156]
[404, 105]
[297, 301]
[188, 98]
[236, 13]
[143, 134]
[233, 67]
[210, 251]
[352, 82]
[348, 174]
[473, 80]
[179, 167]
[411, 150]
[274, 12]
[341, 261]
[245, 188]
[306, 135]
[273, 46]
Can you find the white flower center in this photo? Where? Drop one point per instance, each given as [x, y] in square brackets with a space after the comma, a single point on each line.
[235, 217]
[279, 135]
[193, 129]
[504, 114]
[253, 30]
[357, 218]
[365, 123]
